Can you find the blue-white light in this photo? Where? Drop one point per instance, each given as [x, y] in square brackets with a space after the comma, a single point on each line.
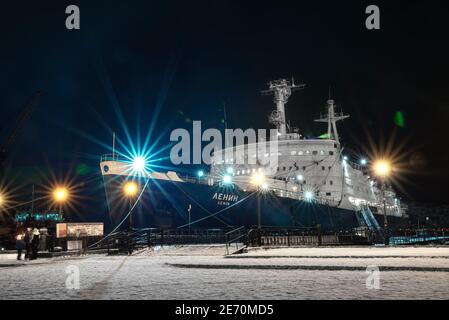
[139, 164]
[363, 162]
[299, 177]
[201, 173]
[227, 179]
[345, 158]
[308, 195]
[230, 170]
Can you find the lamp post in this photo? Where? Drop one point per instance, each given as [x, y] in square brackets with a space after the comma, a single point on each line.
[60, 195]
[382, 169]
[130, 190]
[258, 180]
[189, 209]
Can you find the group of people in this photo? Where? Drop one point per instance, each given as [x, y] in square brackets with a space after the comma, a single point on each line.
[28, 241]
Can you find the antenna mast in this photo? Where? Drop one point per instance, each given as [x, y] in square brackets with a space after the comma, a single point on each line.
[281, 90]
[113, 146]
[332, 118]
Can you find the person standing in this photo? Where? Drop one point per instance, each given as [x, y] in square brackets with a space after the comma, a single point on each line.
[35, 244]
[27, 241]
[20, 245]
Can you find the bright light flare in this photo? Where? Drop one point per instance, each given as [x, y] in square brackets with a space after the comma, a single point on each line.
[227, 179]
[308, 195]
[60, 194]
[139, 164]
[200, 173]
[258, 179]
[382, 168]
[130, 189]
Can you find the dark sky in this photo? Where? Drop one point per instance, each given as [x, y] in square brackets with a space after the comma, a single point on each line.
[190, 56]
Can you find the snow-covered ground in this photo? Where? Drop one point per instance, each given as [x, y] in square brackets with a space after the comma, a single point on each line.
[159, 275]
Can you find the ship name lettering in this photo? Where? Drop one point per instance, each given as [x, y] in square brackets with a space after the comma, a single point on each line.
[225, 197]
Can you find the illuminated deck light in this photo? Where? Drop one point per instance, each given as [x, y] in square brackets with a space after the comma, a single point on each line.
[227, 179]
[308, 195]
[139, 164]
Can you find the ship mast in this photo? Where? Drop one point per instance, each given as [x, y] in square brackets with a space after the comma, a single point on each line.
[281, 90]
[331, 118]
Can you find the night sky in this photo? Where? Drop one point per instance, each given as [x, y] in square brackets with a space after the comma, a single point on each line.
[170, 62]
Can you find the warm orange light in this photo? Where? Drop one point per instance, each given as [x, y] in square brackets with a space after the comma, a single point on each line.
[131, 189]
[382, 168]
[2, 200]
[258, 179]
[60, 194]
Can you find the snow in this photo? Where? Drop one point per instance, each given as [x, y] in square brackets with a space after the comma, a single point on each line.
[153, 274]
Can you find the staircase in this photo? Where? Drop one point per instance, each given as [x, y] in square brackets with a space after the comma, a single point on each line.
[367, 218]
[238, 237]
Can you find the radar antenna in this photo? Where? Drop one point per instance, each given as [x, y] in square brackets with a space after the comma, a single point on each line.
[281, 90]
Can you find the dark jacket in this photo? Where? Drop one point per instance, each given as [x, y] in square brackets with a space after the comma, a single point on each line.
[35, 241]
[20, 245]
[27, 239]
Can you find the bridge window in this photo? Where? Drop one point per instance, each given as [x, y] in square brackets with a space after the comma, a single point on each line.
[300, 153]
[323, 168]
[293, 153]
[328, 194]
[315, 153]
[331, 153]
[331, 182]
[322, 152]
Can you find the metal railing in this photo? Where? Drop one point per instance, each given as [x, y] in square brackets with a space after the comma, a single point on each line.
[110, 157]
[236, 236]
[286, 237]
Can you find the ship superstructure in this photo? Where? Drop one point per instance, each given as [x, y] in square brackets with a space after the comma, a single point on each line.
[308, 168]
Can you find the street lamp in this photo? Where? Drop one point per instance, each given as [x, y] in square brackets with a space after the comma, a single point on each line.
[382, 169]
[258, 179]
[130, 190]
[60, 195]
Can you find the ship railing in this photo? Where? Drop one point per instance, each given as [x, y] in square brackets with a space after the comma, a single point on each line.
[355, 166]
[110, 157]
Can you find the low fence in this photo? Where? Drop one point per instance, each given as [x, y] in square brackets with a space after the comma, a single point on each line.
[299, 240]
[307, 237]
[266, 236]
